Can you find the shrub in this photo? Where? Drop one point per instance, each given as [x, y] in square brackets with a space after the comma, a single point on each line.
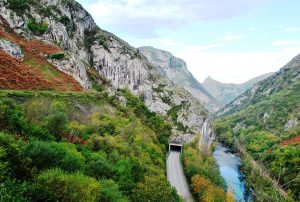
[206, 191]
[56, 123]
[14, 163]
[70, 187]
[51, 154]
[110, 192]
[12, 190]
[99, 167]
[39, 193]
[19, 6]
[37, 28]
[57, 56]
[155, 189]
[65, 20]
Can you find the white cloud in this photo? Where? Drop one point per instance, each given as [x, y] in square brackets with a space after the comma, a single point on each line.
[290, 29]
[230, 37]
[143, 17]
[286, 43]
[235, 67]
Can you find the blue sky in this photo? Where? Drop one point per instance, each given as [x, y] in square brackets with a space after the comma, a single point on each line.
[229, 40]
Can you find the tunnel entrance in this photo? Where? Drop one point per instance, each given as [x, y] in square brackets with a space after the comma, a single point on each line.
[175, 147]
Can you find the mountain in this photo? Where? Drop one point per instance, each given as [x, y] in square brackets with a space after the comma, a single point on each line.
[263, 125]
[59, 45]
[84, 116]
[175, 69]
[224, 93]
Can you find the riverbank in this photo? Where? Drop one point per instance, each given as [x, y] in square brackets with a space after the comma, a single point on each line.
[229, 165]
[203, 175]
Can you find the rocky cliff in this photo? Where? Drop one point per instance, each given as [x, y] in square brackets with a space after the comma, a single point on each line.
[176, 70]
[84, 46]
[224, 93]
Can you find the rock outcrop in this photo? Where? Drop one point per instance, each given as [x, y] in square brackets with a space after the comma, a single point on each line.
[11, 48]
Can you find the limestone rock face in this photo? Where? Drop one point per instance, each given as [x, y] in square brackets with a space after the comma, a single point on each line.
[176, 70]
[85, 46]
[11, 48]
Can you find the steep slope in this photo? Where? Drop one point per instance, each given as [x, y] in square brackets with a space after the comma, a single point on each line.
[263, 125]
[224, 93]
[87, 48]
[176, 70]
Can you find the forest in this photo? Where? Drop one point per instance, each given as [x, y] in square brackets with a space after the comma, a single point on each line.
[81, 147]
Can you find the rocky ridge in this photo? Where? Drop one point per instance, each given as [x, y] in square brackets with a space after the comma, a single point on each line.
[224, 93]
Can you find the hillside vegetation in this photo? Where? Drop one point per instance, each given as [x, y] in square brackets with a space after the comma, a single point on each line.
[203, 175]
[81, 147]
[266, 130]
[33, 71]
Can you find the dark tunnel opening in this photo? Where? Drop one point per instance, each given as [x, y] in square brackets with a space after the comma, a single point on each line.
[173, 147]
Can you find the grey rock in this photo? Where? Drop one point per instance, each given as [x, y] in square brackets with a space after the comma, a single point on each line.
[11, 48]
[290, 124]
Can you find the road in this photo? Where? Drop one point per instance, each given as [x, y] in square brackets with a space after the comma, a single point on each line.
[176, 176]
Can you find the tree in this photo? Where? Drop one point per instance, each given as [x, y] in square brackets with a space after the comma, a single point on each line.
[155, 188]
[70, 187]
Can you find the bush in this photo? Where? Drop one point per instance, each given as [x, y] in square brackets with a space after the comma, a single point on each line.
[39, 193]
[70, 187]
[57, 56]
[19, 6]
[12, 190]
[13, 120]
[206, 191]
[65, 20]
[37, 28]
[56, 123]
[110, 192]
[99, 167]
[51, 154]
[155, 189]
[14, 163]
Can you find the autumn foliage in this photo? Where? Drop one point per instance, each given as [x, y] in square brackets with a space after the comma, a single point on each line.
[33, 72]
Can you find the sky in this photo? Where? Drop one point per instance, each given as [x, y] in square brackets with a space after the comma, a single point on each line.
[231, 41]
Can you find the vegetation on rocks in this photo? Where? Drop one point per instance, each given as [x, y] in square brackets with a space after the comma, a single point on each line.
[36, 27]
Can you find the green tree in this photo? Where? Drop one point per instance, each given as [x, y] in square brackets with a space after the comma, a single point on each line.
[70, 187]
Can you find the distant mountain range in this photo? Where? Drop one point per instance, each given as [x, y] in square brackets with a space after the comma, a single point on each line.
[213, 94]
[224, 93]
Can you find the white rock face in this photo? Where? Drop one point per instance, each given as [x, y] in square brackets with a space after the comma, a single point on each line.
[176, 70]
[11, 48]
[85, 45]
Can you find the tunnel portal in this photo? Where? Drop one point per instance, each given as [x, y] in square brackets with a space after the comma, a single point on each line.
[175, 147]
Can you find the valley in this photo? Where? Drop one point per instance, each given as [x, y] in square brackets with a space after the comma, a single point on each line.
[85, 116]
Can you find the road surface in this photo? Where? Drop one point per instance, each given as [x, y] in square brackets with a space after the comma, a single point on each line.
[176, 176]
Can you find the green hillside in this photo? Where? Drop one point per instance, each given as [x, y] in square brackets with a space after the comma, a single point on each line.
[81, 147]
[267, 130]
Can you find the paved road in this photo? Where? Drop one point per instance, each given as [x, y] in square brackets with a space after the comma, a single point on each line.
[176, 176]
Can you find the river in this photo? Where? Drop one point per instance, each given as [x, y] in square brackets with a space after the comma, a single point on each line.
[229, 166]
